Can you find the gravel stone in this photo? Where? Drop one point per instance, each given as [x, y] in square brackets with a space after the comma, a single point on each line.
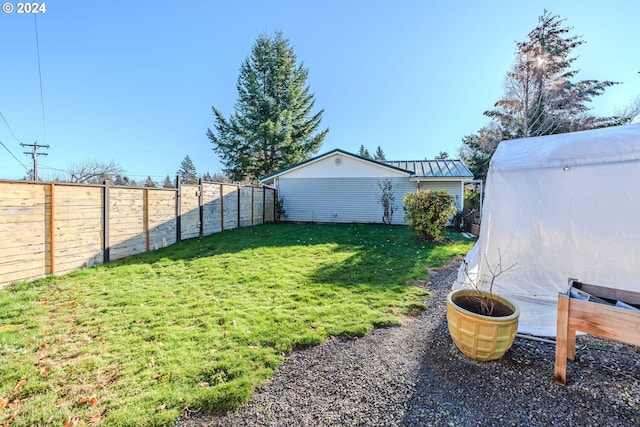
[415, 376]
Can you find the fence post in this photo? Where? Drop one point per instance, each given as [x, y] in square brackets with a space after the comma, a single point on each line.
[252, 204]
[239, 205]
[178, 210]
[201, 207]
[221, 207]
[105, 224]
[146, 217]
[264, 205]
[52, 256]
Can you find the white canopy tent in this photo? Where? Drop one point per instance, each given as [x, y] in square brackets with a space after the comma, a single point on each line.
[559, 207]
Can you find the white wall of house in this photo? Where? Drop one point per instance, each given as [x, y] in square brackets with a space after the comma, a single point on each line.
[344, 188]
[340, 199]
[339, 165]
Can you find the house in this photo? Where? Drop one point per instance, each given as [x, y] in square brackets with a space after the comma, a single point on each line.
[342, 187]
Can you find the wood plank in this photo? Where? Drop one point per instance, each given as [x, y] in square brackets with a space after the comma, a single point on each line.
[9, 220]
[629, 297]
[14, 213]
[70, 211]
[10, 273]
[161, 226]
[593, 318]
[157, 243]
[23, 251]
[85, 239]
[87, 255]
[20, 191]
[560, 374]
[14, 259]
[605, 321]
[270, 209]
[26, 262]
[24, 241]
[76, 261]
[119, 252]
[23, 228]
[126, 222]
[81, 225]
[7, 279]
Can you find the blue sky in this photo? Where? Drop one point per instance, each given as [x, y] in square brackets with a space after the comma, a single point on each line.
[134, 81]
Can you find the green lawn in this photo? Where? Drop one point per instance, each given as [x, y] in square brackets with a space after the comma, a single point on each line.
[200, 324]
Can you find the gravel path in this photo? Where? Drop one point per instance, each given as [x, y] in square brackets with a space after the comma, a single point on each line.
[415, 376]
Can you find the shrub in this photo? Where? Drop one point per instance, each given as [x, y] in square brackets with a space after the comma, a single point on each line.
[387, 200]
[280, 212]
[472, 199]
[428, 212]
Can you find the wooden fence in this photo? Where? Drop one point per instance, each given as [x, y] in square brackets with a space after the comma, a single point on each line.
[54, 228]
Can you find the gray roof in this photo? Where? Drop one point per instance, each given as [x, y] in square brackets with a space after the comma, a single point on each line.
[433, 168]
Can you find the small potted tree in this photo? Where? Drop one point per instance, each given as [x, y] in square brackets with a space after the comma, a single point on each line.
[482, 325]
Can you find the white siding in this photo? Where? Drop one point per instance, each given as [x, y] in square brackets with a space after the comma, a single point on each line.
[340, 199]
[453, 187]
[341, 165]
[350, 200]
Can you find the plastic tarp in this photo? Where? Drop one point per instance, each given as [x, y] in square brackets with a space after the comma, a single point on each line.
[559, 207]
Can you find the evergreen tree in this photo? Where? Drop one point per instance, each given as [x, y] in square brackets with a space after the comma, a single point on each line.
[364, 152]
[122, 180]
[540, 96]
[272, 127]
[477, 149]
[379, 156]
[149, 183]
[443, 155]
[187, 172]
[168, 183]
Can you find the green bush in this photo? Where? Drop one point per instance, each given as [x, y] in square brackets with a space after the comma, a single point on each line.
[428, 212]
[472, 199]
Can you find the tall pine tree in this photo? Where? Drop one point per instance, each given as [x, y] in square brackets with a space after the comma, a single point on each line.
[187, 172]
[379, 155]
[272, 127]
[364, 152]
[168, 183]
[541, 96]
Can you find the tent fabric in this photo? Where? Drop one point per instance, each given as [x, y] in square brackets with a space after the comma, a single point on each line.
[559, 207]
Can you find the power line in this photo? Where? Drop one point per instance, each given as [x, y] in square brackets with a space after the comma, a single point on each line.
[44, 124]
[43, 166]
[12, 155]
[14, 136]
[9, 127]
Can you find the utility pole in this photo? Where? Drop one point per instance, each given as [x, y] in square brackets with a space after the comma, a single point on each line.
[34, 153]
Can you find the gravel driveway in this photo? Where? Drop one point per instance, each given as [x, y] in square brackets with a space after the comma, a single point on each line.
[415, 376]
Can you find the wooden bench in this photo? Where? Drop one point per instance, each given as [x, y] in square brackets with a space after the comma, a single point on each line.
[595, 310]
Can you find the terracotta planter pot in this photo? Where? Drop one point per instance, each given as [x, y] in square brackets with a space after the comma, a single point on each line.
[478, 336]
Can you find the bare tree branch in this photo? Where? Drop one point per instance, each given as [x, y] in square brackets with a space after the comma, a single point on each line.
[94, 172]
